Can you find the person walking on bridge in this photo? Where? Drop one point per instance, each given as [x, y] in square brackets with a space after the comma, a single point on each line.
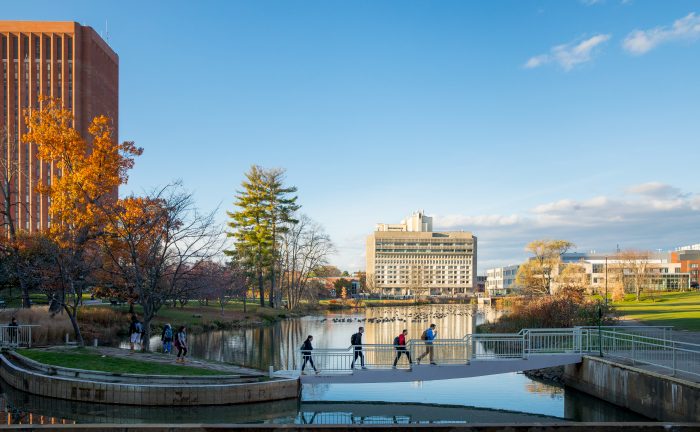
[400, 344]
[306, 349]
[356, 341]
[428, 336]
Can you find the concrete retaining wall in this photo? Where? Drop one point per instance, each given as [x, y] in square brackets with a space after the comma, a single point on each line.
[145, 394]
[653, 395]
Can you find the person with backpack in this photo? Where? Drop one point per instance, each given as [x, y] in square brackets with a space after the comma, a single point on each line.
[400, 345]
[356, 342]
[135, 331]
[181, 344]
[306, 349]
[167, 338]
[428, 336]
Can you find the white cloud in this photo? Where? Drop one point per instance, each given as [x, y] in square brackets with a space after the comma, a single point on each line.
[640, 42]
[654, 189]
[645, 216]
[569, 55]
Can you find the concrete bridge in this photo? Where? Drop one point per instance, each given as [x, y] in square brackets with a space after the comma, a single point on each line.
[487, 354]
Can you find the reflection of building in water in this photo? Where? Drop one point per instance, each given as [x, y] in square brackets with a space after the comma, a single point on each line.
[409, 259]
[542, 388]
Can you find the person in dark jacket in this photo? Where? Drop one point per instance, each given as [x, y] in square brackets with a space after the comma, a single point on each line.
[356, 341]
[306, 349]
[167, 338]
[401, 348]
[13, 330]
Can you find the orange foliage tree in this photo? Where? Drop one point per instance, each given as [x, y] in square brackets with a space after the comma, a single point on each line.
[156, 246]
[84, 183]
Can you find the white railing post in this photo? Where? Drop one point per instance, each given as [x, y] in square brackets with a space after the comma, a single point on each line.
[673, 351]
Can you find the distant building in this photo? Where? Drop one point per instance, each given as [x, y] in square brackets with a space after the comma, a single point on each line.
[480, 283]
[409, 259]
[500, 280]
[660, 272]
[693, 247]
[689, 260]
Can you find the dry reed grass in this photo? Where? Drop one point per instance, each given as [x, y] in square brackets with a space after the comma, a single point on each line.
[95, 322]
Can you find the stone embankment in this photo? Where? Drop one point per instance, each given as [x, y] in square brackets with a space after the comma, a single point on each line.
[143, 390]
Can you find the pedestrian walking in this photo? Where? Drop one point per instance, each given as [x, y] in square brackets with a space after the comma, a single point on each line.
[167, 338]
[181, 344]
[356, 341]
[135, 332]
[306, 349]
[428, 336]
[400, 344]
[13, 330]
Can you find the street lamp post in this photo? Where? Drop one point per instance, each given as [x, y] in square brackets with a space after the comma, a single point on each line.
[606, 282]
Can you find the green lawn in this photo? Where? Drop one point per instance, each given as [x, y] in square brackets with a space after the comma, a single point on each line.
[84, 358]
[678, 309]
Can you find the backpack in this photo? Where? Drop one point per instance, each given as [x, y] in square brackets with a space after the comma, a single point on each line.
[353, 339]
[396, 340]
[424, 335]
[168, 333]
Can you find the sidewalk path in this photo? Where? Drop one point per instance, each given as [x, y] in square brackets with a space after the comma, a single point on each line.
[678, 335]
[224, 368]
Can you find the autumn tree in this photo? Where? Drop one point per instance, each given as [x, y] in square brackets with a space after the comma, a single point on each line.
[11, 176]
[217, 281]
[157, 243]
[304, 246]
[86, 176]
[573, 282]
[535, 275]
[633, 268]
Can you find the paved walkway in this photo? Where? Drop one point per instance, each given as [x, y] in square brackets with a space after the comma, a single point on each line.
[224, 368]
[678, 335]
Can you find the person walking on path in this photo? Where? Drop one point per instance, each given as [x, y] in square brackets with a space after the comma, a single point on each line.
[181, 344]
[135, 330]
[306, 349]
[400, 344]
[13, 330]
[428, 336]
[356, 341]
[167, 338]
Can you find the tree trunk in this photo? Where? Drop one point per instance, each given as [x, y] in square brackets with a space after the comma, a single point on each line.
[73, 316]
[261, 287]
[146, 342]
[245, 298]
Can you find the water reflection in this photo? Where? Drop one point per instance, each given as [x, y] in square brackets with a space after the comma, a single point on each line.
[276, 345]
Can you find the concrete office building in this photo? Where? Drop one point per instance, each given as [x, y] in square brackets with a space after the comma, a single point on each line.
[63, 60]
[409, 259]
[500, 280]
[660, 272]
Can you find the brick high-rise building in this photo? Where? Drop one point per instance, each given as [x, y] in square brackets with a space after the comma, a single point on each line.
[64, 60]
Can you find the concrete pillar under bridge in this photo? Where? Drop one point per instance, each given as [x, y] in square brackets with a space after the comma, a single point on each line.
[653, 395]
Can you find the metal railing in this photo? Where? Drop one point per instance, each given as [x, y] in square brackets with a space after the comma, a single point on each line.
[16, 336]
[639, 344]
[520, 345]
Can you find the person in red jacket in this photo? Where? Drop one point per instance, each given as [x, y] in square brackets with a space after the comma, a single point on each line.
[400, 343]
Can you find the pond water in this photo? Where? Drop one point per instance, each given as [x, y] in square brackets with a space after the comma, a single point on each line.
[490, 399]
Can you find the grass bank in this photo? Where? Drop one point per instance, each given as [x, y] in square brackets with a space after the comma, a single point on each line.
[87, 359]
[678, 309]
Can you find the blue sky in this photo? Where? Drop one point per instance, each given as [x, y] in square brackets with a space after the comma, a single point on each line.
[515, 120]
